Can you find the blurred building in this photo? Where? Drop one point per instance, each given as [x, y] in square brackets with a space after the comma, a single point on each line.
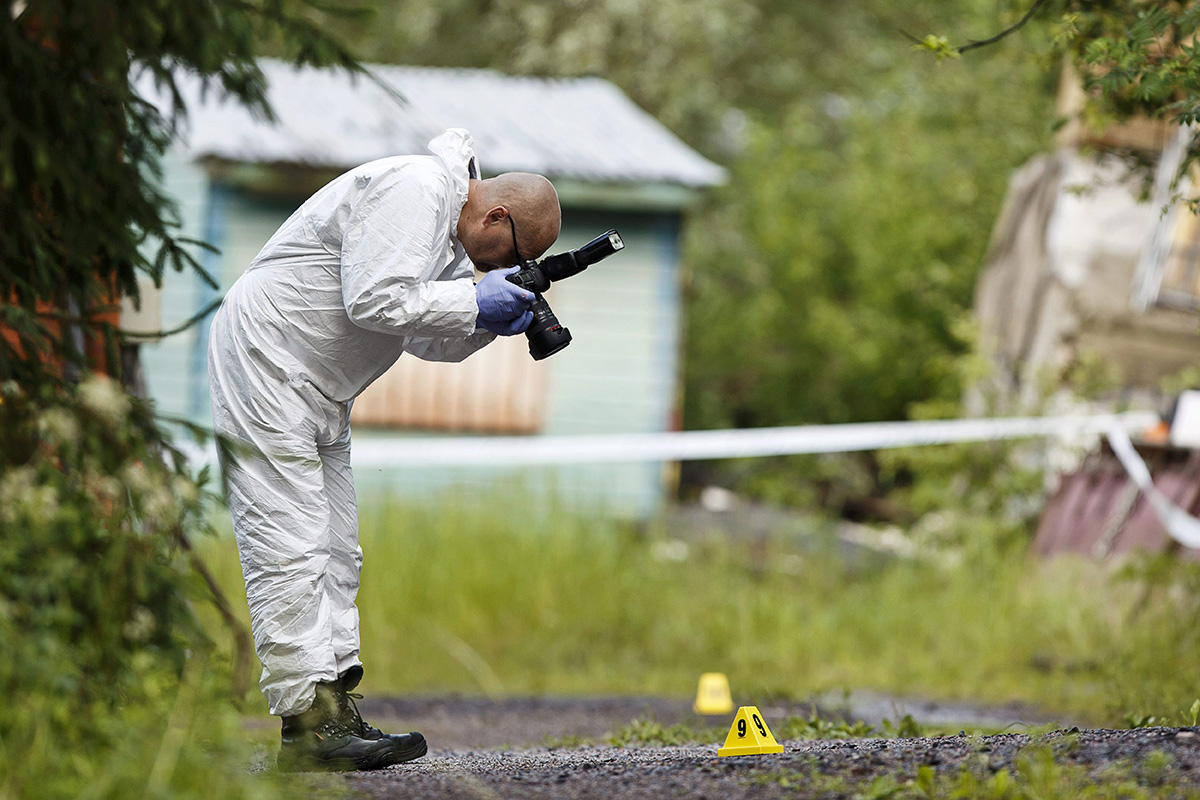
[1096, 266]
[1085, 269]
[237, 178]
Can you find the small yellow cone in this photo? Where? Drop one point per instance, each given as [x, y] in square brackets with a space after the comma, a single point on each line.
[749, 735]
[712, 695]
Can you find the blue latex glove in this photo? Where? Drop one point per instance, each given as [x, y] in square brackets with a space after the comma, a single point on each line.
[499, 300]
[510, 328]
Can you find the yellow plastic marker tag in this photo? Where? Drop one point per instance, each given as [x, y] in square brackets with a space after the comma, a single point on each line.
[712, 695]
[749, 735]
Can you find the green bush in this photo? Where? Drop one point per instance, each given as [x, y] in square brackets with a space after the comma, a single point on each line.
[109, 690]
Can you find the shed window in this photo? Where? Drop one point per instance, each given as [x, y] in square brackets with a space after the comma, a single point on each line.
[500, 389]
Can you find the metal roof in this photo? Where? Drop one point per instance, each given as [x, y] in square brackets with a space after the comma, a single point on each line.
[580, 128]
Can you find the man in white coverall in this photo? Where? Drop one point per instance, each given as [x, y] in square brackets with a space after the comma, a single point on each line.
[376, 264]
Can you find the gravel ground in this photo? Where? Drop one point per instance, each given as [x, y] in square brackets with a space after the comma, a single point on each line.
[490, 749]
[467, 723]
[696, 771]
[477, 722]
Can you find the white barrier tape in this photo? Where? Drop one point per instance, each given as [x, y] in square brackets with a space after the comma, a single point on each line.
[1180, 525]
[737, 443]
[748, 442]
[691, 445]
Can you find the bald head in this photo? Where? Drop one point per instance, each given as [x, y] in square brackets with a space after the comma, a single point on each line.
[515, 201]
[533, 204]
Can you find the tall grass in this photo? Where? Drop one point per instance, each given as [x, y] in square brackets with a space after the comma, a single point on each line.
[492, 600]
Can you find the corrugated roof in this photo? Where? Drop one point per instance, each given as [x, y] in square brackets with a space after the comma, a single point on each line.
[580, 128]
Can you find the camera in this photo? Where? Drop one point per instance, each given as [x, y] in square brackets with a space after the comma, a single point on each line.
[546, 334]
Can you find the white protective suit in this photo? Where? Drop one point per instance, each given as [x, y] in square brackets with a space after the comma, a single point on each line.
[367, 269]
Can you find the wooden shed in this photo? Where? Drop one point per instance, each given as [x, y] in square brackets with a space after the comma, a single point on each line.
[237, 178]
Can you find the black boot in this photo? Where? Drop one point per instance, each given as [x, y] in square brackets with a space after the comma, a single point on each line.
[408, 746]
[319, 740]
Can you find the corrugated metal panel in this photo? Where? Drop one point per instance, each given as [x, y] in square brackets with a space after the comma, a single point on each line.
[1177, 478]
[1062, 528]
[581, 128]
[497, 390]
[1097, 511]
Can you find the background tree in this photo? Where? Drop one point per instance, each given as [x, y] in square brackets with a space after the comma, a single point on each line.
[1134, 58]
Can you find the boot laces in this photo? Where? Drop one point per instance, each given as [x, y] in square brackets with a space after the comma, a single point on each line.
[349, 715]
[333, 727]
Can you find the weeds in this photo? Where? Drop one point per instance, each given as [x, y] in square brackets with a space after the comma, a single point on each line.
[649, 733]
[814, 727]
[567, 742]
[906, 728]
[111, 685]
[1186, 718]
[1038, 775]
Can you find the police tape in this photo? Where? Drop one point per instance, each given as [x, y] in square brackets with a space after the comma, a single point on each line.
[798, 440]
[721, 444]
[510, 451]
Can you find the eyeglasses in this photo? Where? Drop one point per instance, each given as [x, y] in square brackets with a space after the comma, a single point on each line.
[516, 251]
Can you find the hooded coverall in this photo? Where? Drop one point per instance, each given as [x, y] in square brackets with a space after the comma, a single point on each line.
[367, 269]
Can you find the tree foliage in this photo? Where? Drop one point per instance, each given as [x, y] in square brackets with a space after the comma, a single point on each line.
[831, 279]
[97, 581]
[79, 144]
[689, 62]
[1135, 58]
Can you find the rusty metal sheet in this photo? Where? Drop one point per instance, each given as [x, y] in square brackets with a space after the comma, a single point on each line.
[1095, 513]
[1054, 529]
[1089, 527]
[1143, 530]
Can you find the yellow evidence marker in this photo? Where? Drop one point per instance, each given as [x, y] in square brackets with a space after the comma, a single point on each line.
[712, 695]
[749, 735]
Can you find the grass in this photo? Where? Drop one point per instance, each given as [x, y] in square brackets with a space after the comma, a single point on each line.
[497, 600]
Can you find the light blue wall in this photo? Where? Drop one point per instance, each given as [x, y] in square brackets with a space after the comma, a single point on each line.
[619, 375]
[168, 381]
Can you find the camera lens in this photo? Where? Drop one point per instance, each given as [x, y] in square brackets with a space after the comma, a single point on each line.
[546, 334]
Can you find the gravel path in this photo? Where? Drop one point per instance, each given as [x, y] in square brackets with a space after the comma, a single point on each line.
[696, 772]
[512, 722]
[490, 750]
